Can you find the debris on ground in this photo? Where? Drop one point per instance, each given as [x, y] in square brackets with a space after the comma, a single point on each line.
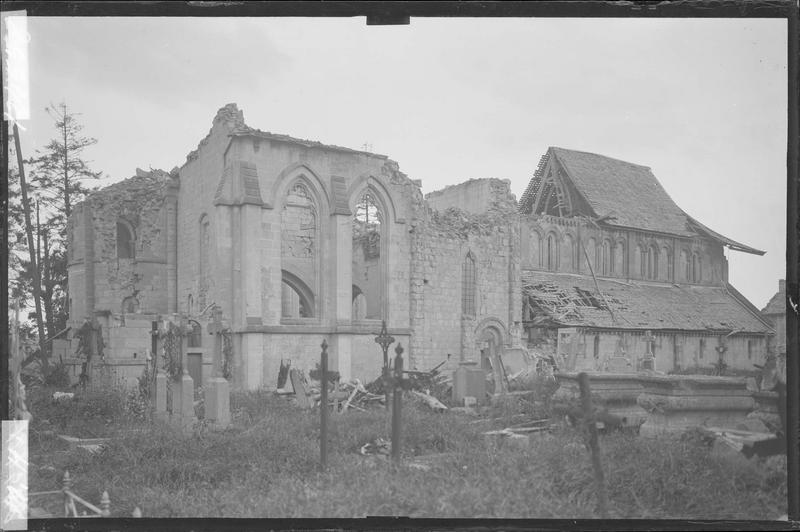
[376, 446]
[358, 398]
[93, 445]
[747, 442]
[63, 396]
[432, 402]
[433, 383]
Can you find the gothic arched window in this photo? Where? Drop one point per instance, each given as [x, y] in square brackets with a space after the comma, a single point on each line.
[468, 282]
[607, 260]
[697, 269]
[204, 244]
[567, 262]
[299, 252]
[368, 262]
[552, 252]
[195, 337]
[126, 240]
[652, 263]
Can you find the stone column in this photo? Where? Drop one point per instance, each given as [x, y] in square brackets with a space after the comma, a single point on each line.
[88, 257]
[514, 286]
[250, 302]
[341, 282]
[171, 205]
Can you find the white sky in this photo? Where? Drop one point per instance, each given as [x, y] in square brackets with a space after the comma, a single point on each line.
[703, 102]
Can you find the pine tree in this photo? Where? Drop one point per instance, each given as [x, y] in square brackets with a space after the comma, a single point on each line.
[59, 168]
[58, 172]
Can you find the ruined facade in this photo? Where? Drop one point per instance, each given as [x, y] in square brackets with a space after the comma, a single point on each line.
[298, 241]
[613, 270]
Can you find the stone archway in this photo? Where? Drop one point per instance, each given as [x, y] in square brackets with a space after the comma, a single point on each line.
[490, 337]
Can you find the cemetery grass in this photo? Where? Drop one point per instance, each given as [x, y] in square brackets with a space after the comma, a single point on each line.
[267, 465]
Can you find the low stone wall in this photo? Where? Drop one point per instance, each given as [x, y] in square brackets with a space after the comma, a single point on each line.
[614, 392]
[122, 372]
[676, 403]
[663, 404]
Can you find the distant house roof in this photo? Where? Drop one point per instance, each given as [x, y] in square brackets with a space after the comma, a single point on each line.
[623, 194]
[569, 300]
[777, 305]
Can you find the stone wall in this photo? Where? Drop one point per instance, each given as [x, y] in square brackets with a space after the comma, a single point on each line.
[99, 278]
[475, 196]
[674, 351]
[442, 241]
[616, 253]
[303, 350]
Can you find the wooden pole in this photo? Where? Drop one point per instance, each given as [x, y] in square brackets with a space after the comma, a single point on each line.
[588, 417]
[397, 404]
[37, 281]
[323, 426]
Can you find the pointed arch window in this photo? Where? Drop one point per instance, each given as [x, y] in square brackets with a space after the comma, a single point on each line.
[204, 245]
[299, 251]
[195, 337]
[686, 265]
[368, 260]
[591, 254]
[607, 260]
[697, 271]
[126, 240]
[620, 257]
[468, 286]
[567, 261]
[651, 263]
[552, 252]
[535, 250]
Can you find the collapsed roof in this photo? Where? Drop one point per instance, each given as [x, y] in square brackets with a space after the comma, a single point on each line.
[612, 192]
[567, 300]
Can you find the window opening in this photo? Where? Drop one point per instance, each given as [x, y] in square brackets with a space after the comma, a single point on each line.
[468, 286]
[126, 243]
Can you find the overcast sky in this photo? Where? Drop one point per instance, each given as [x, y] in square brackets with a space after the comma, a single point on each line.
[700, 101]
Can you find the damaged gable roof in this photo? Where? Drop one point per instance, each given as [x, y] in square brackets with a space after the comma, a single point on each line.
[629, 194]
[573, 301]
[626, 195]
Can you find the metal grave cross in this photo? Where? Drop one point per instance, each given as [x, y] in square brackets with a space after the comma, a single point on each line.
[384, 339]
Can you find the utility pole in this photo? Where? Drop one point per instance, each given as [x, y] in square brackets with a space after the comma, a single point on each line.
[37, 282]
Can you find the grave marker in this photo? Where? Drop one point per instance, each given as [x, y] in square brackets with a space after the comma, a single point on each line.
[218, 394]
[649, 359]
[323, 406]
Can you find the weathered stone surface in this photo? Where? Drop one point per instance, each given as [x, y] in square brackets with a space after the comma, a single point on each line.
[676, 403]
[615, 393]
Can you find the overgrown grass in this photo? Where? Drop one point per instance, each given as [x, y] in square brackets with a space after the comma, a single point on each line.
[267, 465]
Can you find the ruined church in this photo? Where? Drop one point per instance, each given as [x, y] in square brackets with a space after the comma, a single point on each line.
[298, 241]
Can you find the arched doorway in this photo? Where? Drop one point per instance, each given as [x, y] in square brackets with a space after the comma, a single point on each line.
[489, 338]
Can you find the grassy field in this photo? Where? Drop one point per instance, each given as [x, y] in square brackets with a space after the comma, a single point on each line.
[267, 465]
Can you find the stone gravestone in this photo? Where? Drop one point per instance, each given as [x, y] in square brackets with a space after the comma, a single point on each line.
[649, 360]
[218, 399]
[183, 394]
